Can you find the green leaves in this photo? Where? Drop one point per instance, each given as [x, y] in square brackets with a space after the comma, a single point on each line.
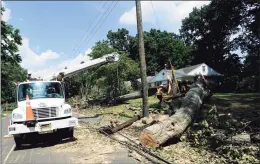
[11, 71]
[114, 75]
[100, 49]
[208, 30]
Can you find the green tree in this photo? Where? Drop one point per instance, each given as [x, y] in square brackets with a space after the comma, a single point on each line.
[11, 71]
[112, 77]
[100, 49]
[119, 40]
[208, 31]
[160, 46]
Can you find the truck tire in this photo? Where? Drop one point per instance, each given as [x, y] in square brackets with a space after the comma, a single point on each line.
[70, 132]
[18, 141]
[57, 137]
[67, 133]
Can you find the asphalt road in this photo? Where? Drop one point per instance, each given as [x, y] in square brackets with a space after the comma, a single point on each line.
[37, 153]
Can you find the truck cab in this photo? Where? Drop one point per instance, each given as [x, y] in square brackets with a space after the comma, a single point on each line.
[50, 111]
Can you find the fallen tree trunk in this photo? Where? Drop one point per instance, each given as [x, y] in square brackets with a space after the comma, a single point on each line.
[129, 96]
[159, 133]
[111, 130]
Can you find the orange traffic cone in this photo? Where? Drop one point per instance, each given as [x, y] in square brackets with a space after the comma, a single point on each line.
[29, 111]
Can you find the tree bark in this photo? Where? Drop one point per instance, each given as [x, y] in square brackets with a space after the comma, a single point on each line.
[119, 127]
[129, 96]
[158, 134]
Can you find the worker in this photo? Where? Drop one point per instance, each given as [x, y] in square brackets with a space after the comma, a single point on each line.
[60, 76]
[29, 77]
[159, 93]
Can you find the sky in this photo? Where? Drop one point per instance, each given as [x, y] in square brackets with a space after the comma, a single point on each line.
[58, 34]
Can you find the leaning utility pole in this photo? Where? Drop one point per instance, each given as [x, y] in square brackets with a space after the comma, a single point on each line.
[142, 59]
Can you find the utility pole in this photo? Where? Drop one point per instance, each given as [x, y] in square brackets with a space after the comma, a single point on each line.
[142, 59]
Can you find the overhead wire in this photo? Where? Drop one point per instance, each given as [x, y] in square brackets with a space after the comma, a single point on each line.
[102, 22]
[80, 45]
[97, 28]
[157, 22]
[88, 28]
[93, 30]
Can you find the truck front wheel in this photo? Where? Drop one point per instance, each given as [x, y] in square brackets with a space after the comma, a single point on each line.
[67, 132]
[70, 132]
[18, 141]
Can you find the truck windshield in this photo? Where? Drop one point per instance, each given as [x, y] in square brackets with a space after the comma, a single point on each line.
[40, 90]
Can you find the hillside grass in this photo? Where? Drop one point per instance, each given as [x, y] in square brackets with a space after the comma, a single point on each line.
[119, 110]
[225, 102]
[244, 106]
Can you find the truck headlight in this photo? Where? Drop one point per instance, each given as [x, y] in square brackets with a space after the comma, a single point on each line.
[17, 116]
[67, 111]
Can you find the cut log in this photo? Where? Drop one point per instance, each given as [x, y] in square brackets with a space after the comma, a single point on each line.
[111, 130]
[239, 139]
[127, 107]
[159, 133]
[160, 117]
[148, 120]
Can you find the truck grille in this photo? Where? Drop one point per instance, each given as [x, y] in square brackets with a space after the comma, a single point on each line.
[45, 112]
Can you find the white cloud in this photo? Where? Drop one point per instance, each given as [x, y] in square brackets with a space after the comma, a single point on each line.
[37, 64]
[21, 19]
[169, 13]
[77, 60]
[50, 71]
[6, 14]
[30, 59]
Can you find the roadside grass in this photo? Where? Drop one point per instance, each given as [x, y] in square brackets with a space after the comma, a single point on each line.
[244, 106]
[11, 107]
[119, 110]
[225, 103]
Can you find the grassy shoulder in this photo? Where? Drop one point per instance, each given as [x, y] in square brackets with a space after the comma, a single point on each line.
[10, 108]
[119, 111]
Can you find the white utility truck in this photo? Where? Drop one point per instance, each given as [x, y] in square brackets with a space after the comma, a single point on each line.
[47, 100]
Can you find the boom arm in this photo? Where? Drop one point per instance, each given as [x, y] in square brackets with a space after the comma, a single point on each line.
[88, 65]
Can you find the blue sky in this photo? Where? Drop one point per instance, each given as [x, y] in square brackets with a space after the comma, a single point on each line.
[51, 30]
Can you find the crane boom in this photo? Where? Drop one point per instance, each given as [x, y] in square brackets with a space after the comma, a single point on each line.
[113, 57]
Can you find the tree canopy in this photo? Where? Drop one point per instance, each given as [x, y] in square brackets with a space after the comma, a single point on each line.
[11, 71]
[209, 29]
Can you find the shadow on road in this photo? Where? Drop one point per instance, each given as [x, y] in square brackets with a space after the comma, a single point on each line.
[43, 142]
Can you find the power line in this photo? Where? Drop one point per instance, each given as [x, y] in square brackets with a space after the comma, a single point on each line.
[102, 22]
[88, 28]
[95, 28]
[157, 23]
